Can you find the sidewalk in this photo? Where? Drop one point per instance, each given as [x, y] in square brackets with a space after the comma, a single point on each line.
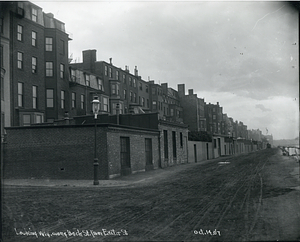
[122, 181]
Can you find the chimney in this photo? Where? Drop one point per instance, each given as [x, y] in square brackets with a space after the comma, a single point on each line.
[110, 61]
[191, 92]
[89, 59]
[127, 69]
[164, 87]
[136, 72]
[181, 90]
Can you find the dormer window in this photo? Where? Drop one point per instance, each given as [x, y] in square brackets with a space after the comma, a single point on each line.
[34, 15]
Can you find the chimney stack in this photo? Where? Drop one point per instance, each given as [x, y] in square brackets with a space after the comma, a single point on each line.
[136, 72]
[110, 61]
[191, 92]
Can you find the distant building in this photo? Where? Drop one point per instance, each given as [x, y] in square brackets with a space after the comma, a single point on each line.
[193, 109]
[214, 118]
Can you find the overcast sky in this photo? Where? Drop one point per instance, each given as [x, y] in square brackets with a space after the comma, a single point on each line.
[244, 55]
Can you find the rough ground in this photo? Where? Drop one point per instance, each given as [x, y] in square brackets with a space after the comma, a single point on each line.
[253, 197]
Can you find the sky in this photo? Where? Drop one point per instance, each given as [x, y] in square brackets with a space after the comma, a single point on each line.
[244, 55]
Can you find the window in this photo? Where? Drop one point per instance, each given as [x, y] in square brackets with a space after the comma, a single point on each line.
[171, 112]
[143, 102]
[214, 116]
[50, 98]
[154, 105]
[34, 97]
[124, 78]
[20, 60]
[153, 90]
[100, 84]
[62, 71]
[62, 47]
[20, 33]
[48, 43]
[125, 94]
[110, 72]
[82, 101]
[215, 143]
[141, 86]
[34, 15]
[131, 96]
[26, 120]
[140, 100]
[147, 89]
[62, 99]
[134, 97]
[73, 75]
[49, 68]
[117, 75]
[113, 89]
[105, 70]
[38, 118]
[130, 81]
[33, 39]
[34, 64]
[134, 83]
[73, 100]
[20, 94]
[105, 104]
[87, 80]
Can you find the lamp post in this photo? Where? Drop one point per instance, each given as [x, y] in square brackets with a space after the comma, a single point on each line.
[96, 107]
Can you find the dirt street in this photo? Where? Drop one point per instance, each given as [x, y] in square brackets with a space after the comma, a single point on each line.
[251, 197]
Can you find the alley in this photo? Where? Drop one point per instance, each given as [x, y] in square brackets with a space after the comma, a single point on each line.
[236, 198]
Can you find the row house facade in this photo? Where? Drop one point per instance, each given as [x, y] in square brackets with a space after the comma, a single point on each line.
[128, 92]
[34, 53]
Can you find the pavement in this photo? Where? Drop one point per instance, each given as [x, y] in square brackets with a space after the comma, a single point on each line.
[138, 178]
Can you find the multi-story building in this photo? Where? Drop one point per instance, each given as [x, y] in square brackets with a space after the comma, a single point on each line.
[35, 52]
[129, 91]
[171, 105]
[193, 109]
[121, 86]
[83, 86]
[242, 131]
[5, 108]
[214, 117]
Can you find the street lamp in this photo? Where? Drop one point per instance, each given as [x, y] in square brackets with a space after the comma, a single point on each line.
[96, 108]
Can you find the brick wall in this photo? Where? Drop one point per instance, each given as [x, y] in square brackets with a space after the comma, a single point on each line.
[60, 152]
[67, 152]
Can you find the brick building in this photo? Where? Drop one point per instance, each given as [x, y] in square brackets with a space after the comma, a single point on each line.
[35, 57]
[193, 109]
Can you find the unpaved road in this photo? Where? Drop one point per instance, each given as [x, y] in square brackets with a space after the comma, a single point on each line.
[253, 197]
